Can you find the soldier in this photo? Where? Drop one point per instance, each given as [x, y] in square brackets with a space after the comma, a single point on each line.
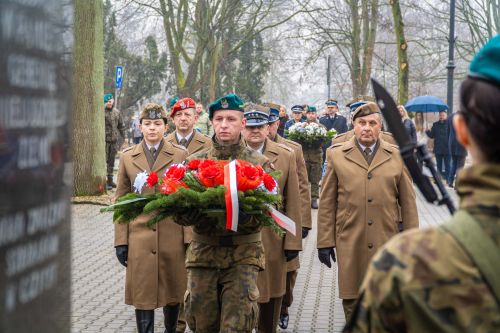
[358, 212]
[115, 133]
[439, 132]
[170, 124]
[305, 208]
[445, 279]
[332, 119]
[278, 250]
[296, 116]
[313, 155]
[184, 116]
[154, 258]
[203, 124]
[223, 265]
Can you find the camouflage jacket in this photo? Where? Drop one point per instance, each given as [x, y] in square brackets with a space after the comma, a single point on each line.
[114, 126]
[204, 125]
[204, 255]
[424, 281]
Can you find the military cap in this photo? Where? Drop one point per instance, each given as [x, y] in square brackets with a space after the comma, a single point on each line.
[311, 108]
[107, 97]
[331, 102]
[171, 101]
[228, 102]
[365, 110]
[182, 104]
[358, 101]
[153, 111]
[256, 115]
[274, 112]
[298, 108]
[486, 63]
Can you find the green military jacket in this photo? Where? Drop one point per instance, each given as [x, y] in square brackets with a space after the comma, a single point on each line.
[114, 126]
[424, 281]
[204, 255]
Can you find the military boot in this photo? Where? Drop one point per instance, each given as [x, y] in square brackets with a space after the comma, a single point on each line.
[314, 203]
[145, 320]
[111, 184]
[171, 312]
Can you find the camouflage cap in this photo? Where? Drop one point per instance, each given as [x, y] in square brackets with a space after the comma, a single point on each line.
[365, 110]
[153, 111]
[228, 102]
[256, 115]
[486, 63]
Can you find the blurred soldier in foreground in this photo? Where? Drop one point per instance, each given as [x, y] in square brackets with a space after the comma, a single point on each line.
[305, 207]
[278, 250]
[365, 182]
[446, 279]
[115, 133]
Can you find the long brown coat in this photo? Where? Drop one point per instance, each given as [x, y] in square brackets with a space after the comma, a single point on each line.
[156, 273]
[304, 190]
[358, 207]
[198, 141]
[272, 281]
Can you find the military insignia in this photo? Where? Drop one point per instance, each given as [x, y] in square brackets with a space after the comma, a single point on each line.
[224, 103]
[183, 105]
[152, 114]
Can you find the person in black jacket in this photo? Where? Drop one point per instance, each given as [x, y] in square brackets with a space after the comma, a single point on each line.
[409, 125]
[439, 132]
[457, 153]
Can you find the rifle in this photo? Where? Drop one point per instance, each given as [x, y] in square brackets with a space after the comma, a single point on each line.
[408, 151]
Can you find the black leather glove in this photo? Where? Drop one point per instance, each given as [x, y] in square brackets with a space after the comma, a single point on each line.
[325, 254]
[122, 254]
[291, 254]
[305, 232]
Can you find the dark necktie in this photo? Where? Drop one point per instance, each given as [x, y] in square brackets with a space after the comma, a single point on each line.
[152, 150]
[367, 151]
[183, 142]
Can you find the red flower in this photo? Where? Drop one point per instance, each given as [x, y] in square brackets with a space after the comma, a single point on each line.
[211, 176]
[248, 176]
[152, 179]
[269, 182]
[170, 186]
[194, 165]
[206, 163]
[176, 172]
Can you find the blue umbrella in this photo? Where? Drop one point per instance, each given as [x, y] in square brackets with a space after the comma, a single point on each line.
[426, 104]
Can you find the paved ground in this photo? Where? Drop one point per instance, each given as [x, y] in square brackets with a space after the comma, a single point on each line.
[98, 279]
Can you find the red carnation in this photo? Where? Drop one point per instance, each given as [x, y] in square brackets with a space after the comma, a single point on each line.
[211, 176]
[269, 182]
[176, 172]
[248, 176]
[194, 165]
[152, 179]
[206, 164]
[170, 186]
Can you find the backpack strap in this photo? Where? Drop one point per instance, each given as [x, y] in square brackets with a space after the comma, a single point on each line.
[479, 245]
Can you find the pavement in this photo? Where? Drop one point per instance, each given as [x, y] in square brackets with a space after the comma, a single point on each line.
[98, 279]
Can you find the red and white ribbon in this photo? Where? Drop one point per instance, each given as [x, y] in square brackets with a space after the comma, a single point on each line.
[231, 196]
[283, 221]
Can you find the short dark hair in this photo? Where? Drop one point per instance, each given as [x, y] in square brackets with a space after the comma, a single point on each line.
[480, 107]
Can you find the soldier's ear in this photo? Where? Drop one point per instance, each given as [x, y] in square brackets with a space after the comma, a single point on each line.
[463, 135]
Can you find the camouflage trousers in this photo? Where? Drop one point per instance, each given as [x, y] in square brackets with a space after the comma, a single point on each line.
[111, 151]
[222, 300]
[314, 162]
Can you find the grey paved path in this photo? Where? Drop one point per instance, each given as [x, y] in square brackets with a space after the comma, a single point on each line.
[98, 279]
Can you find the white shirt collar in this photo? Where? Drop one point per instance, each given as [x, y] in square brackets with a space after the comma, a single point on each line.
[156, 146]
[372, 147]
[187, 137]
[260, 149]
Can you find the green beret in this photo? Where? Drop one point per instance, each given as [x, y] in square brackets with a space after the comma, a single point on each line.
[107, 97]
[172, 101]
[228, 102]
[365, 110]
[311, 108]
[486, 63]
[153, 111]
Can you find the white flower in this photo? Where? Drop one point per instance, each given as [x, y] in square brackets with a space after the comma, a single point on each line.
[263, 188]
[140, 181]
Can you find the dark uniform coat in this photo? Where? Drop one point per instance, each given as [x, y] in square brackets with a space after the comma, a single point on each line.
[338, 122]
[197, 142]
[272, 281]
[156, 273]
[358, 208]
[439, 132]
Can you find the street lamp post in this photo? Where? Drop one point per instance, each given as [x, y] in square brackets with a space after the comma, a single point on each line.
[451, 57]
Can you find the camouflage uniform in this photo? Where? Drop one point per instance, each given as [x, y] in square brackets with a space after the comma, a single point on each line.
[313, 155]
[204, 125]
[115, 132]
[222, 278]
[424, 281]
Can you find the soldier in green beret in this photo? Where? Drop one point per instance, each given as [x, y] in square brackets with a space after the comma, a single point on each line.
[447, 279]
[115, 133]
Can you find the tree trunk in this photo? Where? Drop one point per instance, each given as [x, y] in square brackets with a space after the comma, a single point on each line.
[355, 47]
[370, 20]
[88, 84]
[403, 68]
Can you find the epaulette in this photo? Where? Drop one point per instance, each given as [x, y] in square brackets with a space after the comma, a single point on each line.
[282, 145]
[127, 149]
[178, 146]
[338, 144]
[340, 135]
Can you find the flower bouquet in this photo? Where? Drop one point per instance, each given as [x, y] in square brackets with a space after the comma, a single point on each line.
[311, 135]
[221, 190]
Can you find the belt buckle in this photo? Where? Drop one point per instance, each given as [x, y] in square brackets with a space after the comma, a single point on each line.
[226, 241]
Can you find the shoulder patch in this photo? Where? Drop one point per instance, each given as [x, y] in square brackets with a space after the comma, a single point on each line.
[178, 146]
[128, 149]
[282, 145]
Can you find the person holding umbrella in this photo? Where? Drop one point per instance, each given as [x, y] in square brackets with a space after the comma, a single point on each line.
[439, 132]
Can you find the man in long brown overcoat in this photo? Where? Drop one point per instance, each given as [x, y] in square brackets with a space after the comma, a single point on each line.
[272, 281]
[156, 274]
[365, 182]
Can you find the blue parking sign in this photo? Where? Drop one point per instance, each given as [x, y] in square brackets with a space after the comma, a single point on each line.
[119, 77]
